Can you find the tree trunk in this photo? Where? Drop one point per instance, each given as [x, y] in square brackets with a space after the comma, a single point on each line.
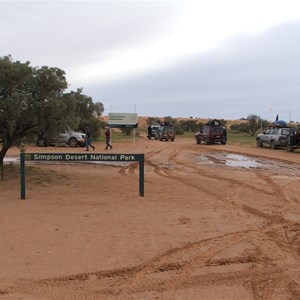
[3, 151]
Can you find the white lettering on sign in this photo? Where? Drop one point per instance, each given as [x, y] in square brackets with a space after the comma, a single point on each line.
[127, 157]
[86, 157]
[104, 157]
[47, 157]
[76, 157]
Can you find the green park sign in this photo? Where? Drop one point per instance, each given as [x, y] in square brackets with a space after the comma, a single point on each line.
[72, 157]
[83, 157]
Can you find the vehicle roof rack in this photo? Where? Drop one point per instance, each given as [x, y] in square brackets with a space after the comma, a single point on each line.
[214, 122]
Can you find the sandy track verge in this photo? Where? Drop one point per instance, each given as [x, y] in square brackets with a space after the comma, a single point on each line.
[204, 230]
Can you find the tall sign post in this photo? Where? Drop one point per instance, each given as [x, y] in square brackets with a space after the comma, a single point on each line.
[22, 174]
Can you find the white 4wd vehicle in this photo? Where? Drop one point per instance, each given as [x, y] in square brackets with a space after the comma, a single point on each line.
[274, 136]
[66, 137]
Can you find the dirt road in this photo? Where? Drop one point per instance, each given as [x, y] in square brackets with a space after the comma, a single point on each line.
[216, 222]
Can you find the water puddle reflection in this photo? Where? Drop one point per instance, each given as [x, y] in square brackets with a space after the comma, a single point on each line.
[237, 160]
[229, 159]
[243, 161]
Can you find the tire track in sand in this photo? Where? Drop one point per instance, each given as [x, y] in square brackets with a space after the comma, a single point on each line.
[192, 265]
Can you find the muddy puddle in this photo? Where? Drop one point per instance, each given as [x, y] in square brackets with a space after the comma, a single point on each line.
[229, 159]
[237, 160]
[242, 161]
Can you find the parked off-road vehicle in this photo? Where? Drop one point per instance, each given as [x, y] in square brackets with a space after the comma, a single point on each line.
[274, 136]
[211, 133]
[165, 133]
[66, 137]
[293, 141]
[153, 130]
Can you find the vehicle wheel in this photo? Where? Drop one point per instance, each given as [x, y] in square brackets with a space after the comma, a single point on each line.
[167, 139]
[206, 141]
[41, 142]
[258, 143]
[290, 148]
[172, 140]
[272, 145]
[73, 143]
[223, 142]
[198, 141]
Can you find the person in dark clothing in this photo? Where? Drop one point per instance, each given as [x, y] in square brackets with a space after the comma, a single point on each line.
[149, 132]
[88, 139]
[108, 137]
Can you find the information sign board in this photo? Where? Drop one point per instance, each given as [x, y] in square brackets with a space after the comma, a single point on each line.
[123, 120]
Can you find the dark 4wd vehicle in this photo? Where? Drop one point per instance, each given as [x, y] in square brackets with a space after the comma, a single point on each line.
[151, 131]
[212, 133]
[274, 136]
[293, 141]
[165, 133]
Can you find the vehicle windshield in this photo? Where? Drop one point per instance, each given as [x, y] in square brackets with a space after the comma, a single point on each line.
[287, 131]
[205, 129]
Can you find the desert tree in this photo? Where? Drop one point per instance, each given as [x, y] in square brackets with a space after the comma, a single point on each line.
[28, 97]
[99, 109]
[190, 125]
[251, 125]
[85, 111]
[33, 103]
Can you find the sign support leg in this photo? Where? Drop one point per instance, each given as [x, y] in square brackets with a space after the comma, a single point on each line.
[141, 175]
[22, 171]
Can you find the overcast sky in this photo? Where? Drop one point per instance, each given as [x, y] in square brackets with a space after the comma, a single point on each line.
[207, 59]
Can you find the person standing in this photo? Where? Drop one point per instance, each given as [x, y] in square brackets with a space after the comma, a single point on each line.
[108, 137]
[88, 139]
[149, 132]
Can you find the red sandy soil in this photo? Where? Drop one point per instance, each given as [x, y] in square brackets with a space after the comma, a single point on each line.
[203, 230]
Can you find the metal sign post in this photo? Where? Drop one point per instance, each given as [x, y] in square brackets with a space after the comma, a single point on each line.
[22, 170]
